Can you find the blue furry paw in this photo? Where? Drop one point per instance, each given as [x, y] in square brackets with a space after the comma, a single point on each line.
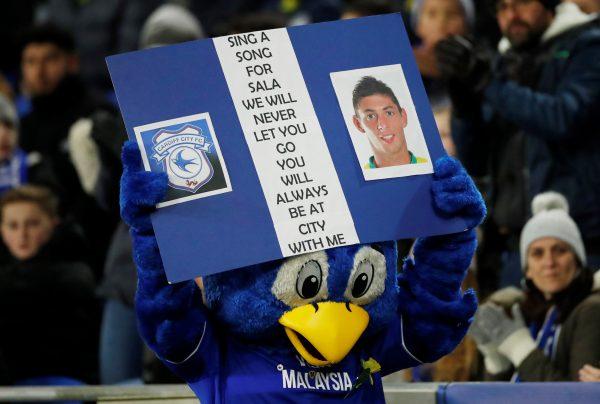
[434, 327]
[455, 193]
[140, 190]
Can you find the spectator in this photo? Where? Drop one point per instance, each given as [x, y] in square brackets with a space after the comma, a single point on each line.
[589, 373]
[100, 28]
[48, 314]
[433, 21]
[554, 329]
[169, 24]
[16, 167]
[529, 123]
[59, 101]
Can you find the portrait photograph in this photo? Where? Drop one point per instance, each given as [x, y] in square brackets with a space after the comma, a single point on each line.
[382, 122]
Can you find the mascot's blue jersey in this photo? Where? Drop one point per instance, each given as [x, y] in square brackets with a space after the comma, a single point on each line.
[237, 372]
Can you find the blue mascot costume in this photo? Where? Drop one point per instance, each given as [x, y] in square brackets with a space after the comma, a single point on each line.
[319, 327]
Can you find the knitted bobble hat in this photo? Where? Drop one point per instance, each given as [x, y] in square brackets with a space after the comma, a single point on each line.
[170, 24]
[551, 219]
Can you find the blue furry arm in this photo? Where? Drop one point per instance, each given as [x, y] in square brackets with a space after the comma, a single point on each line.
[435, 313]
[171, 318]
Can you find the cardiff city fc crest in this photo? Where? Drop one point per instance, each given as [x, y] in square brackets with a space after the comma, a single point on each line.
[182, 153]
[186, 148]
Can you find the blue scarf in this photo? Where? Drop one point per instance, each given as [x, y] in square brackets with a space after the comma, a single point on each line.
[13, 172]
[545, 336]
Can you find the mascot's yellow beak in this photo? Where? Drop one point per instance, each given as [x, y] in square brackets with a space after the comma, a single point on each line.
[323, 333]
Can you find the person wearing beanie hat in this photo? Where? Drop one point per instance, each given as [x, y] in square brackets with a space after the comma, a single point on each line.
[551, 219]
[170, 24]
[553, 330]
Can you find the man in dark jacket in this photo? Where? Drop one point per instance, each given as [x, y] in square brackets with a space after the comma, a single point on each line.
[59, 99]
[528, 118]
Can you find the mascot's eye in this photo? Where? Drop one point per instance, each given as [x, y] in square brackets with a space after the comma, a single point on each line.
[309, 280]
[302, 279]
[367, 278]
[362, 279]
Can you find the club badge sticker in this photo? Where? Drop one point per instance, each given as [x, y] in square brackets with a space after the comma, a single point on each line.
[187, 150]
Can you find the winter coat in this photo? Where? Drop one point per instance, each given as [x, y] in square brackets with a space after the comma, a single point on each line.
[578, 341]
[49, 317]
[553, 103]
[578, 344]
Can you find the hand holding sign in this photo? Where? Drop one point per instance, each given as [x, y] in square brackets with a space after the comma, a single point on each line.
[163, 310]
[455, 194]
[140, 190]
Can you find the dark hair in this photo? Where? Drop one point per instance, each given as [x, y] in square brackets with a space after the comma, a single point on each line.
[365, 8]
[40, 196]
[48, 33]
[369, 86]
[535, 306]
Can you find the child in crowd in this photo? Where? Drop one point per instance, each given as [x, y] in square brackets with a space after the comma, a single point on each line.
[48, 313]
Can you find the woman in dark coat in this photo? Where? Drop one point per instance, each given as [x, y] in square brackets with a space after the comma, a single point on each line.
[553, 330]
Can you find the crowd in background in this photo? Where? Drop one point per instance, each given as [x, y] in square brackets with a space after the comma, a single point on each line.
[515, 90]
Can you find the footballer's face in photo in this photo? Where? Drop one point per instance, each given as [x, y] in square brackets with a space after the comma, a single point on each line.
[383, 122]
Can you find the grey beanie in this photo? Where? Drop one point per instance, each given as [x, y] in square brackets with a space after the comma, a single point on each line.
[8, 113]
[467, 5]
[170, 24]
[551, 219]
